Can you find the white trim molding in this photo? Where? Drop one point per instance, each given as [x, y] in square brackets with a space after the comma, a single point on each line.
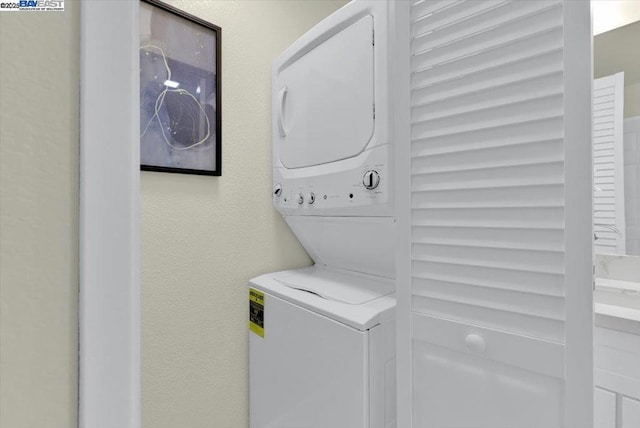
[402, 136]
[578, 209]
[109, 216]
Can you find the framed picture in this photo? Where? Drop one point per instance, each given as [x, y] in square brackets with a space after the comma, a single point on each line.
[179, 91]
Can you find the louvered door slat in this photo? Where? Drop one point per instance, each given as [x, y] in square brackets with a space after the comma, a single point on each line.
[608, 165]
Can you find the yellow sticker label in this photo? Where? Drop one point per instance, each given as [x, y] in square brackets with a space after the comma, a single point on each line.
[256, 311]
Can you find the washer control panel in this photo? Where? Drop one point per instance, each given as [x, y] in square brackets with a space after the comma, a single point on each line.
[354, 190]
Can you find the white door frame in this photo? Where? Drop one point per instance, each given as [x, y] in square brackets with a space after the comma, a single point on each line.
[109, 249]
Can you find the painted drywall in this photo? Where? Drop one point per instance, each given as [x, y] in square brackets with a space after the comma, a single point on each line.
[611, 14]
[204, 237]
[616, 51]
[632, 100]
[39, 155]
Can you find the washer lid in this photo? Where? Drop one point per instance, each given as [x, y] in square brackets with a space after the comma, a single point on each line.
[357, 300]
[336, 286]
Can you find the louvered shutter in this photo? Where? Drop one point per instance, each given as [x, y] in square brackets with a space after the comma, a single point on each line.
[497, 297]
[608, 164]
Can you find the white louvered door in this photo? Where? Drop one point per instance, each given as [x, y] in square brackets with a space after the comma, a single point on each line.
[608, 165]
[494, 308]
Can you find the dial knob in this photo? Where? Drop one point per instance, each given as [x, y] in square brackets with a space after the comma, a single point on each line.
[371, 179]
[300, 198]
[311, 198]
[277, 190]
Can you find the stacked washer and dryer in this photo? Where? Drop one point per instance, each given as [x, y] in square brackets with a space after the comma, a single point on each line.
[493, 198]
[322, 347]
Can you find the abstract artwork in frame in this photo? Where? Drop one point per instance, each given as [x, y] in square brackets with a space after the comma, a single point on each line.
[179, 91]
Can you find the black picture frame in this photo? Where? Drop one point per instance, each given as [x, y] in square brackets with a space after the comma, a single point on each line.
[187, 152]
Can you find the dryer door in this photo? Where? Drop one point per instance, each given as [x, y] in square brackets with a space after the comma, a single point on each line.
[323, 100]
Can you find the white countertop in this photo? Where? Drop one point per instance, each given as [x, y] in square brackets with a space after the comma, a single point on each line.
[617, 305]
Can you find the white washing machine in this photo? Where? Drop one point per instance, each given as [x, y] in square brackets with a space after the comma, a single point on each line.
[322, 350]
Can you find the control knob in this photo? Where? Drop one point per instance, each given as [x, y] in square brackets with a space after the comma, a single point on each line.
[371, 179]
[311, 198]
[300, 198]
[277, 190]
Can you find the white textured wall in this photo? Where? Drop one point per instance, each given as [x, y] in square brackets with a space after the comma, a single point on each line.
[39, 66]
[204, 237]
